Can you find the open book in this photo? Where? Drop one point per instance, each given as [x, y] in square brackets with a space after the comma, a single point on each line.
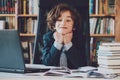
[90, 72]
[80, 72]
[58, 71]
[85, 72]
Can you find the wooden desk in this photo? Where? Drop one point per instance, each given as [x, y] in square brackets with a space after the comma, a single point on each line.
[28, 76]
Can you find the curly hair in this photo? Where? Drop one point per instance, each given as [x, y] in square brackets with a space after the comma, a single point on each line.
[55, 13]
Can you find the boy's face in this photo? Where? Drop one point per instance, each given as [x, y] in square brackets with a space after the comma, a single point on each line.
[65, 23]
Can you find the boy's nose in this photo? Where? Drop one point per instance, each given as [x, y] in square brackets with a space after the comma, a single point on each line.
[63, 22]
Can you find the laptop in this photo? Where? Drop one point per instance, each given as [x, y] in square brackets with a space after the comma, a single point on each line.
[11, 55]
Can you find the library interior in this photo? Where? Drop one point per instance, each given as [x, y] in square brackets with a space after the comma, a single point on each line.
[23, 23]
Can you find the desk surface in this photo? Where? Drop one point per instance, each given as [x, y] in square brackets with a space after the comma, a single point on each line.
[38, 76]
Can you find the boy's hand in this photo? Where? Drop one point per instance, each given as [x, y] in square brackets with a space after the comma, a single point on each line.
[68, 37]
[58, 37]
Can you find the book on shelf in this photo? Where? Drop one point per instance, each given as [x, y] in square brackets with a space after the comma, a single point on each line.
[96, 7]
[33, 6]
[27, 48]
[11, 22]
[102, 25]
[24, 6]
[8, 21]
[31, 51]
[111, 25]
[98, 25]
[26, 53]
[91, 6]
[28, 7]
[111, 6]
[2, 24]
[28, 25]
[36, 7]
[93, 22]
[20, 7]
[102, 6]
[99, 6]
[7, 6]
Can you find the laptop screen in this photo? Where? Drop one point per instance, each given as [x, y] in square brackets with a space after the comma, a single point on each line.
[11, 56]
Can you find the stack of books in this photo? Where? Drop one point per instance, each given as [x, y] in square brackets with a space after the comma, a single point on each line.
[109, 57]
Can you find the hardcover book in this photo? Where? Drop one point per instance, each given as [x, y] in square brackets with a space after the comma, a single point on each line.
[109, 62]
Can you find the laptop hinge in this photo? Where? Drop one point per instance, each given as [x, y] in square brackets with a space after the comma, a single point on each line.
[12, 70]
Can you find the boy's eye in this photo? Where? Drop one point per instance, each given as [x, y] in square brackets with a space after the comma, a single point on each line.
[68, 20]
[65, 20]
[59, 20]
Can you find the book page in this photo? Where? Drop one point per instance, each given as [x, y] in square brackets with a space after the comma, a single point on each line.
[60, 71]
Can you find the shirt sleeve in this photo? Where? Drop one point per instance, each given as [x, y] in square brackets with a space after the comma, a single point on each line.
[58, 45]
[68, 46]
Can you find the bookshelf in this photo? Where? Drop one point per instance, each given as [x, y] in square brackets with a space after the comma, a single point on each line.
[21, 15]
[13, 10]
[27, 13]
[117, 23]
[109, 9]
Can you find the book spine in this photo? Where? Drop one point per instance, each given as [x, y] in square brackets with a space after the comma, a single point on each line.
[91, 6]
[0, 7]
[2, 24]
[24, 6]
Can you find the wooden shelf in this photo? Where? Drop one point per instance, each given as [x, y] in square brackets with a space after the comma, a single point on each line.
[102, 15]
[27, 37]
[27, 15]
[102, 35]
[7, 15]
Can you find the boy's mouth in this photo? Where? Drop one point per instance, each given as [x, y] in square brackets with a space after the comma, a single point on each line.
[63, 27]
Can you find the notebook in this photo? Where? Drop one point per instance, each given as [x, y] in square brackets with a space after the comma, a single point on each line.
[11, 55]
